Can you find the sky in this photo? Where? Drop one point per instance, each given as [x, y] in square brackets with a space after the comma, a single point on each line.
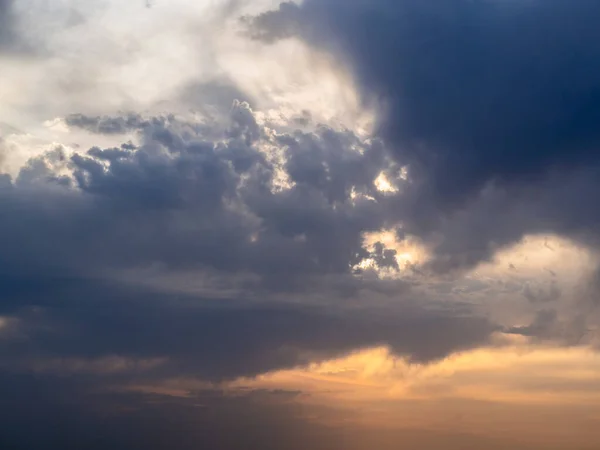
[319, 224]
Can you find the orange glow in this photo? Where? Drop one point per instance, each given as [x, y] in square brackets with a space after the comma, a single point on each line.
[541, 394]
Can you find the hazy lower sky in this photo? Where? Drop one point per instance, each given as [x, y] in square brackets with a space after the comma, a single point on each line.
[324, 224]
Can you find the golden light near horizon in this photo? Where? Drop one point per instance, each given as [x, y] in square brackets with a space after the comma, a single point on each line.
[504, 374]
[513, 389]
[501, 383]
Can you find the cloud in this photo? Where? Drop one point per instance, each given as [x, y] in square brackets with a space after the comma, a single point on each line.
[3, 151]
[213, 97]
[547, 326]
[86, 232]
[107, 125]
[88, 327]
[472, 98]
[19, 34]
[185, 202]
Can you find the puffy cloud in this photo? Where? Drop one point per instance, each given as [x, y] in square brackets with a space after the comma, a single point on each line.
[185, 201]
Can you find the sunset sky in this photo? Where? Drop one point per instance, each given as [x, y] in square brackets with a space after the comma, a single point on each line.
[312, 225]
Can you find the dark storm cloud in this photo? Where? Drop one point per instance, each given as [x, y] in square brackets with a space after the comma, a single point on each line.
[78, 230]
[74, 227]
[477, 97]
[474, 83]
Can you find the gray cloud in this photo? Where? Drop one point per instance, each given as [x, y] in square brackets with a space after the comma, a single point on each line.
[214, 339]
[185, 202]
[8, 36]
[536, 294]
[179, 202]
[547, 326]
[3, 151]
[15, 38]
[474, 100]
[111, 125]
[71, 413]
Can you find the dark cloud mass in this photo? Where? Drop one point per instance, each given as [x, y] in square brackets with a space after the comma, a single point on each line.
[76, 229]
[476, 96]
[202, 337]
